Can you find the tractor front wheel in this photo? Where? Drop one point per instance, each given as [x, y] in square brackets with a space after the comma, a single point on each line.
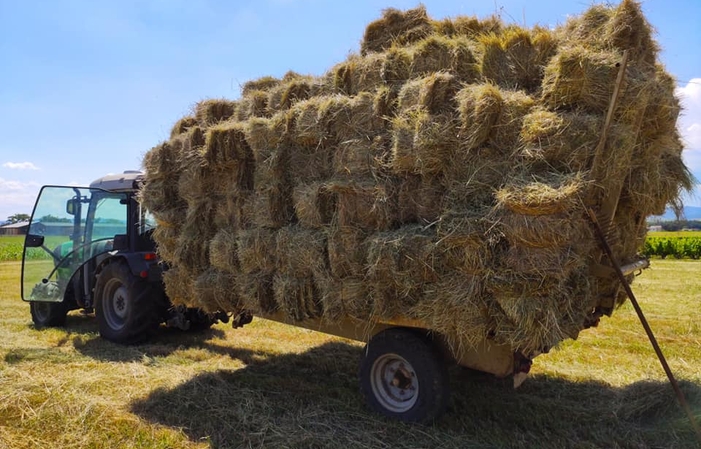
[48, 314]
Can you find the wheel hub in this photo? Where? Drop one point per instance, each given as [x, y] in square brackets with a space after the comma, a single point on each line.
[394, 383]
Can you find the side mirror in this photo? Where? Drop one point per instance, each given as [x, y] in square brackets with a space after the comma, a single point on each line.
[70, 207]
[34, 241]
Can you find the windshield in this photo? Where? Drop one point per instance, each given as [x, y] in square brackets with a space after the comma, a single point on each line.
[69, 226]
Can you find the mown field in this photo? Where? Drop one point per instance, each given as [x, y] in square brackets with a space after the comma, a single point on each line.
[270, 385]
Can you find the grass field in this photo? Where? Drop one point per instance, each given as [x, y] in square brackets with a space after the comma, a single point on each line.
[270, 385]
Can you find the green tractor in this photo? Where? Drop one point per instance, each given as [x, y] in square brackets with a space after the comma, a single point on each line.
[97, 254]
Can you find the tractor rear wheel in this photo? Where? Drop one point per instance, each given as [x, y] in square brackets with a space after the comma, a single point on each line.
[127, 308]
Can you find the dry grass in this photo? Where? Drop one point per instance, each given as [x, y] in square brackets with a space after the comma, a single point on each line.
[271, 385]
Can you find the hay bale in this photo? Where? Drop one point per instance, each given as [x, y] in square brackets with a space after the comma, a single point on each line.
[439, 53]
[396, 67]
[265, 134]
[385, 103]
[223, 251]
[551, 195]
[563, 141]
[166, 238]
[420, 199]
[212, 111]
[308, 164]
[297, 297]
[396, 27]
[366, 205]
[309, 130]
[627, 29]
[179, 287]
[349, 296]
[542, 262]
[422, 142]
[252, 104]
[505, 132]
[256, 293]
[300, 252]
[463, 245]
[479, 107]
[314, 205]
[226, 144]
[270, 206]
[543, 231]
[347, 251]
[435, 93]
[263, 84]
[663, 108]
[232, 210]
[454, 307]
[182, 125]
[514, 58]
[282, 97]
[469, 26]
[361, 157]
[256, 251]
[348, 118]
[578, 77]
[217, 291]
[471, 177]
[359, 74]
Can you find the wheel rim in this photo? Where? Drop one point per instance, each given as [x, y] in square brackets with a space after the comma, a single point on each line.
[116, 302]
[394, 383]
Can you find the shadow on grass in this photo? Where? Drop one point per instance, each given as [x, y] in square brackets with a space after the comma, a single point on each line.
[311, 400]
[163, 343]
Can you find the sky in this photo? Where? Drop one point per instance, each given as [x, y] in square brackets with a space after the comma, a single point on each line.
[88, 87]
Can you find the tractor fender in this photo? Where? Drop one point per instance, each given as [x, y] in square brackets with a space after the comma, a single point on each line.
[139, 264]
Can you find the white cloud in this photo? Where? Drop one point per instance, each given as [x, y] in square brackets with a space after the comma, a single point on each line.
[17, 197]
[690, 122]
[20, 166]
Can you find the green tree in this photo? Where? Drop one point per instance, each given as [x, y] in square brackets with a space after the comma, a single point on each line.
[18, 218]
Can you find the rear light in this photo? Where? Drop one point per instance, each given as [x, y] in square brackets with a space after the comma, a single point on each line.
[150, 256]
[144, 274]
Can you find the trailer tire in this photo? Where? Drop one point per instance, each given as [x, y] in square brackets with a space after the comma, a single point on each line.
[402, 376]
[48, 314]
[126, 307]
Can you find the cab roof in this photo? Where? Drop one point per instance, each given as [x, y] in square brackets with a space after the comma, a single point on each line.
[123, 182]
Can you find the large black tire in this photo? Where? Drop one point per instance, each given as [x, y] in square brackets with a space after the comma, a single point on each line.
[48, 314]
[403, 376]
[127, 308]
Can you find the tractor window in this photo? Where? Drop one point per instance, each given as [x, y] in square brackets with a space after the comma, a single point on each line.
[109, 217]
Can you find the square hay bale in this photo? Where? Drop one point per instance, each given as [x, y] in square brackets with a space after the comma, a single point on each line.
[217, 290]
[399, 263]
[347, 251]
[440, 53]
[422, 142]
[455, 308]
[479, 106]
[385, 103]
[463, 245]
[263, 84]
[362, 157]
[182, 125]
[163, 161]
[192, 250]
[298, 298]
[627, 29]
[359, 74]
[435, 93]
[270, 206]
[314, 205]
[223, 251]
[563, 141]
[663, 108]
[471, 177]
[420, 199]
[272, 165]
[231, 211]
[396, 27]
[308, 129]
[166, 238]
[551, 263]
[349, 297]
[256, 251]
[514, 58]
[468, 26]
[256, 293]
[367, 205]
[285, 95]
[307, 164]
[505, 132]
[543, 231]
[396, 67]
[252, 104]
[553, 194]
[212, 111]
[225, 144]
[301, 252]
[348, 118]
[179, 286]
[265, 134]
[578, 77]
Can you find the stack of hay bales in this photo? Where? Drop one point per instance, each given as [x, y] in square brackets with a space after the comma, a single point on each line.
[442, 174]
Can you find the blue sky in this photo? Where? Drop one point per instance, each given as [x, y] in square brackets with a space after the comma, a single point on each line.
[87, 87]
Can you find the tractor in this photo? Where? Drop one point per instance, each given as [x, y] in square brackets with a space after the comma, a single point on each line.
[91, 248]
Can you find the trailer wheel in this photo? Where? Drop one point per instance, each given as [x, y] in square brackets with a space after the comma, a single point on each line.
[125, 308]
[48, 314]
[404, 377]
